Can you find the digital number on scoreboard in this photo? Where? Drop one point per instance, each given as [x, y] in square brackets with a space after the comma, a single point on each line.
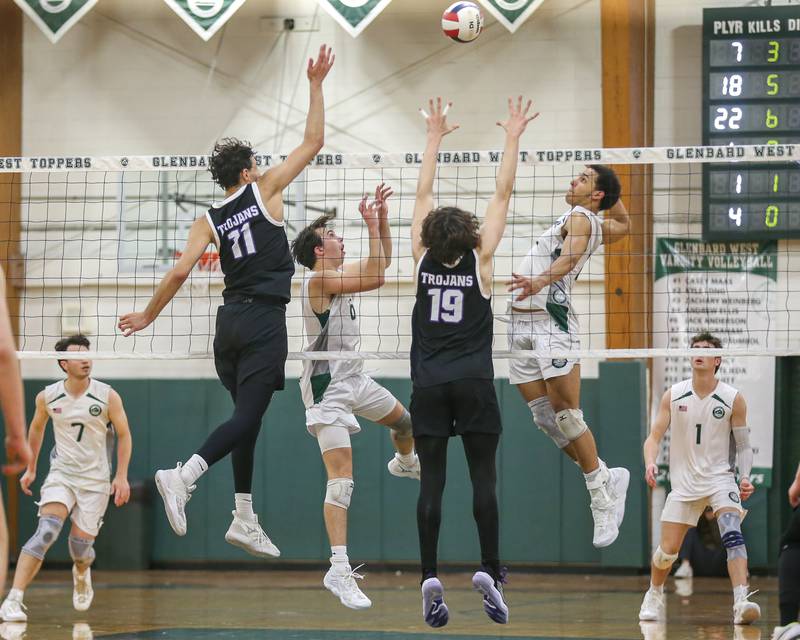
[751, 95]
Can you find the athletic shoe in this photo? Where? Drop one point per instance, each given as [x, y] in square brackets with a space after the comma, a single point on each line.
[654, 607]
[790, 632]
[13, 630]
[82, 592]
[341, 582]
[608, 505]
[684, 587]
[653, 630]
[397, 468]
[250, 537]
[12, 611]
[685, 570]
[492, 590]
[434, 610]
[744, 611]
[175, 495]
[82, 631]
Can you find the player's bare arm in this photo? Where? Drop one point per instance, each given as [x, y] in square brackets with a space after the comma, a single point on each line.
[35, 438]
[274, 181]
[657, 431]
[200, 237]
[120, 488]
[437, 128]
[382, 194]
[616, 224]
[744, 450]
[579, 232]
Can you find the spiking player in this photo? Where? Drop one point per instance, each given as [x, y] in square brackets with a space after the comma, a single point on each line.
[543, 317]
[85, 414]
[251, 343]
[709, 434]
[335, 391]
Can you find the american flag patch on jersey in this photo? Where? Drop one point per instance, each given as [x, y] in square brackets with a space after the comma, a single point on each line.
[682, 407]
[56, 409]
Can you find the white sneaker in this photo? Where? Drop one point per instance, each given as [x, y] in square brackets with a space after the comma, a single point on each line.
[82, 592]
[684, 587]
[250, 537]
[685, 570]
[608, 492]
[790, 632]
[175, 495]
[653, 630]
[744, 611]
[13, 630]
[341, 582]
[12, 611]
[397, 468]
[82, 631]
[654, 607]
[434, 609]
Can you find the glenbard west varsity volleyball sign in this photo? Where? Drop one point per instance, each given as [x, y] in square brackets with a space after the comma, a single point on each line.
[55, 17]
[354, 15]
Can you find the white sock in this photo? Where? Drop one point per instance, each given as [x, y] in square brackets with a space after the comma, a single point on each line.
[244, 505]
[407, 459]
[592, 475]
[193, 469]
[740, 592]
[16, 595]
[339, 553]
[658, 589]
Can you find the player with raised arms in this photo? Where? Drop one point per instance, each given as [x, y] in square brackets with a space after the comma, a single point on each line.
[250, 343]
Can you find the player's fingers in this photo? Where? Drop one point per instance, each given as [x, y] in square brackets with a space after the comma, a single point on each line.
[533, 117]
[519, 104]
[439, 105]
[528, 106]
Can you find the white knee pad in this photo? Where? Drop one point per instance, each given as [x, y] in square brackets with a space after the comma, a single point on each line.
[730, 530]
[545, 418]
[570, 423]
[43, 538]
[339, 493]
[81, 550]
[663, 560]
[403, 425]
[333, 437]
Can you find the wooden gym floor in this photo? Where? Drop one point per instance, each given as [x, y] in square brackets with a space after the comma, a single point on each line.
[293, 605]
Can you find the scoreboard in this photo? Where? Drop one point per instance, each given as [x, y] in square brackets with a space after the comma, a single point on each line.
[751, 95]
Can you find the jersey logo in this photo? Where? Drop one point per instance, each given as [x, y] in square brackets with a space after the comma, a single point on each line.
[95, 410]
[682, 407]
[718, 412]
[734, 497]
[559, 363]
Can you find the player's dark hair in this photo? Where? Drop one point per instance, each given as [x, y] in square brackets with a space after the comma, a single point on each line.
[65, 343]
[228, 159]
[705, 336]
[448, 233]
[307, 240]
[607, 182]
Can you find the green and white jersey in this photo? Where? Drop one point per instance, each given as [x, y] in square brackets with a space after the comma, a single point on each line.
[556, 298]
[702, 451]
[335, 330]
[84, 436]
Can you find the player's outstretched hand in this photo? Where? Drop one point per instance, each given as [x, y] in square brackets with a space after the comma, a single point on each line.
[369, 211]
[382, 194]
[436, 118]
[121, 490]
[650, 475]
[18, 455]
[794, 492]
[746, 489]
[518, 117]
[130, 323]
[318, 70]
[26, 481]
[525, 286]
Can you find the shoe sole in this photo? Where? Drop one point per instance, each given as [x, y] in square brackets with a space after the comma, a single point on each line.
[626, 482]
[162, 490]
[791, 633]
[483, 583]
[86, 608]
[412, 475]
[438, 615]
[650, 618]
[337, 594]
[25, 619]
[241, 545]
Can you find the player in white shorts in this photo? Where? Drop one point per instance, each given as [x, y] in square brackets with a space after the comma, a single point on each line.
[85, 413]
[335, 391]
[709, 434]
[543, 318]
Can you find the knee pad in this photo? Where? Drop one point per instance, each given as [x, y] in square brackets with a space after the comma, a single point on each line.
[663, 560]
[730, 528]
[403, 425]
[570, 423]
[339, 492]
[81, 550]
[545, 419]
[45, 535]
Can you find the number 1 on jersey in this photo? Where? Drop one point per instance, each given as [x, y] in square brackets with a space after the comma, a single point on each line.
[249, 244]
[698, 427]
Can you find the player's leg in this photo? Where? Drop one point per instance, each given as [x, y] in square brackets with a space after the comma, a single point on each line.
[654, 605]
[534, 392]
[81, 550]
[789, 572]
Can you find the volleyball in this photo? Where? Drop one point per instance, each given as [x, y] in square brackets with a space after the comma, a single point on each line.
[462, 21]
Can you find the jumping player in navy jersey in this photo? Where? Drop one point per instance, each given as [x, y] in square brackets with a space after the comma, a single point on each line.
[451, 358]
[250, 344]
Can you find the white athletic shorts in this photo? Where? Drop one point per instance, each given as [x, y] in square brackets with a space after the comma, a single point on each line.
[346, 398]
[688, 511]
[537, 330]
[86, 508]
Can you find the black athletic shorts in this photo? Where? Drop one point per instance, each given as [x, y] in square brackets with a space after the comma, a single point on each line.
[454, 408]
[250, 340]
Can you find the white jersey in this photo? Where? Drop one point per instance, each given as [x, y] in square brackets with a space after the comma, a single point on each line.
[335, 330]
[702, 451]
[84, 436]
[556, 298]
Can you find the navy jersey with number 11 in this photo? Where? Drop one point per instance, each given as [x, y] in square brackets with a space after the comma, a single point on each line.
[451, 324]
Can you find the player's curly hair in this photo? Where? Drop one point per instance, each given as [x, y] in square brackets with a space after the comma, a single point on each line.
[607, 182]
[65, 343]
[705, 336]
[228, 159]
[449, 232]
[307, 240]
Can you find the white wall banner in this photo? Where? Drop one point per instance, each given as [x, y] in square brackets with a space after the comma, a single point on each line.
[55, 17]
[354, 15]
[511, 13]
[725, 288]
[205, 17]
